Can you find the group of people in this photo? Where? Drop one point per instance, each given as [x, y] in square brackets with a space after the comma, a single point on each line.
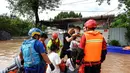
[85, 52]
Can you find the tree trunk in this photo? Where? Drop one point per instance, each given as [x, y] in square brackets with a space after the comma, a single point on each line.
[36, 18]
[35, 7]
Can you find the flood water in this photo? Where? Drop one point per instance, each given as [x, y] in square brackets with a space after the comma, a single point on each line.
[114, 63]
[8, 50]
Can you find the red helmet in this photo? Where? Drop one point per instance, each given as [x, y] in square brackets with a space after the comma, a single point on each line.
[54, 35]
[91, 23]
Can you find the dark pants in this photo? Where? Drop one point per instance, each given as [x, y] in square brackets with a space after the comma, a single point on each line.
[65, 52]
[35, 69]
[93, 69]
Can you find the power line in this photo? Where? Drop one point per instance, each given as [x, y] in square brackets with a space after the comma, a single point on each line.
[82, 11]
[81, 3]
[77, 2]
[119, 10]
[111, 11]
[74, 2]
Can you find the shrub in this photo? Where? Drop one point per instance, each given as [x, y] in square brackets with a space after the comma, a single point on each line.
[114, 43]
[14, 26]
[127, 35]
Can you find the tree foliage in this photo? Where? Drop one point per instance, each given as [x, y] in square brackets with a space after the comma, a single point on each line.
[70, 14]
[120, 21]
[15, 26]
[32, 7]
[108, 1]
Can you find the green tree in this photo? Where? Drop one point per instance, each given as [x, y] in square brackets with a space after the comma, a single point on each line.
[70, 14]
[15, 26]
[32, 7]
[4, 23]
[120, 21]
[121, 2]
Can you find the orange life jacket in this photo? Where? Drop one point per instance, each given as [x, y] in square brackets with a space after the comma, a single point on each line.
[93, 46]
[81, 68]
[13, 71]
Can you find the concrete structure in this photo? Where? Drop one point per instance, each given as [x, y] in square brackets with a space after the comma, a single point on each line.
[118, 34]
[103, 21]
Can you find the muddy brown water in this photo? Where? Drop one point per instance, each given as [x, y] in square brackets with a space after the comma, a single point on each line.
[8, 50]
[114, 63]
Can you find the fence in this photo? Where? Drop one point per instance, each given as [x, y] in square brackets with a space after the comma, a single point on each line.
[118, 34]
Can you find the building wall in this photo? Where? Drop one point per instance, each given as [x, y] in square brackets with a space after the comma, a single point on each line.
[105, 33]
[114, 34]
[118, 34]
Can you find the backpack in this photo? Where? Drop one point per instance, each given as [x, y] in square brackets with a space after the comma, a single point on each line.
[76, 54]
[30, 56]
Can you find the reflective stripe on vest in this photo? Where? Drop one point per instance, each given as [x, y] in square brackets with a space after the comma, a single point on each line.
[93, 47]
[94, 40]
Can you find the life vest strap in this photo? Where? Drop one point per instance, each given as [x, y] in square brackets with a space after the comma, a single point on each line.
[91, 63]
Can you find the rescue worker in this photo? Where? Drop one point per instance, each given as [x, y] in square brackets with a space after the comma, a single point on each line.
[54, 40]
[42, 38]
[33, 53]
[67, 38]
[94, 48]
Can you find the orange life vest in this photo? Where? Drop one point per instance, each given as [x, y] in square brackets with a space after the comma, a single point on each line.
[93, 46]
[13, 71]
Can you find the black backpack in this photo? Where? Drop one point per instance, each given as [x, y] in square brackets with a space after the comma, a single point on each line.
[76, 54]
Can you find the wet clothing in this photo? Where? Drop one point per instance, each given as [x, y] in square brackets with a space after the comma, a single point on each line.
[39, 68]
[66, 45]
